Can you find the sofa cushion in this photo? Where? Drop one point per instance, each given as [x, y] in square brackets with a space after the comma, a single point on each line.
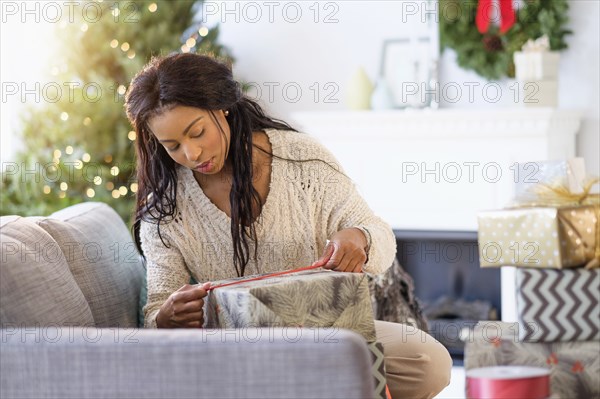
[36, 285]
[103, 259]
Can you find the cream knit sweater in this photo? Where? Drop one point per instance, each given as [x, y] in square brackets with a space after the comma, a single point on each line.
[307, 203]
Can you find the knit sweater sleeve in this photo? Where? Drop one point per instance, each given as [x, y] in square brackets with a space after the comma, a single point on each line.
[166, 270]
[344, 207]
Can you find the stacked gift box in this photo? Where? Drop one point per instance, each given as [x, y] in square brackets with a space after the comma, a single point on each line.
[551, 234]
[536, 70]
[574, 366]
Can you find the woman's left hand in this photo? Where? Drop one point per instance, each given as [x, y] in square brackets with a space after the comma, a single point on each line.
[345, 251]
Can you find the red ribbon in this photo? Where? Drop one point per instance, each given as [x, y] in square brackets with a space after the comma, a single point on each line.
[484, 9]
[486, 388]
[264, 277]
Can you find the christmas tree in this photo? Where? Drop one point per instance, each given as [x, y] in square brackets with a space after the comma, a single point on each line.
[79, 145]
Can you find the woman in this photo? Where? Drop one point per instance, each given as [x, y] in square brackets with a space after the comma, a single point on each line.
[225, 191]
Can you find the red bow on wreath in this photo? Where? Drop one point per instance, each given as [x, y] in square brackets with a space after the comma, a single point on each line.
[507, 15]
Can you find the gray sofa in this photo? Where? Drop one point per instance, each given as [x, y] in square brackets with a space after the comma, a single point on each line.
[69, 315]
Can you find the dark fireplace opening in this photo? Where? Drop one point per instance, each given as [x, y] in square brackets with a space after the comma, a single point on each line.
[454, 291]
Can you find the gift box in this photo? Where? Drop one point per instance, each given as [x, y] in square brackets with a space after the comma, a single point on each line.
[536, 182]
[535, 61]
[558, 305]
[536, 69]
[536, 65]
[378, 370]
[310, 299]
[574, 366]
[539, 237]
[538, 93]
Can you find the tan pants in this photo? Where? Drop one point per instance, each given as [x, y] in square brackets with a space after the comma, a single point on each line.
[416, 364]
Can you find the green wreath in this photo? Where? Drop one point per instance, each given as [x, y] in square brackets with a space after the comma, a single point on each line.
[491, 54]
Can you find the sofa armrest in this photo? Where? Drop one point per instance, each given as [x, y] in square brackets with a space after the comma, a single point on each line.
[75, 362]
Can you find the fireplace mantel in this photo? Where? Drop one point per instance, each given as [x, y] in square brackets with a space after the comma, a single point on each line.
[463, 123]
[433, 170]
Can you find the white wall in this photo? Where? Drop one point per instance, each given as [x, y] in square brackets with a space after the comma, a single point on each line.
[305, 52]
[580, 84]
[308, 52]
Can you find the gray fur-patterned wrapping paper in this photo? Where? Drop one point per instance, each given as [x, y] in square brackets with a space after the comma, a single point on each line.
[312, 298]
[574, 366]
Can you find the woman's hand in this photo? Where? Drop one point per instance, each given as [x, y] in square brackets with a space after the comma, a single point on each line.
[183, 308]
[345, 251]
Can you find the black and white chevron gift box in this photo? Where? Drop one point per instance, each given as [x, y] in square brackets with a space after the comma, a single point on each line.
[558, 305]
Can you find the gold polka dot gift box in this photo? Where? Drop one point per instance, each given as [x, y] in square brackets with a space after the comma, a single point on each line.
[540, 237]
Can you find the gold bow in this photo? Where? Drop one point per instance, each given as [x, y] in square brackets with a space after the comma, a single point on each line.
[559, 195]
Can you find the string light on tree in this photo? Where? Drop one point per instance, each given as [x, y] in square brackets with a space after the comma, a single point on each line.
[191, 42]
[97, 180]
[114, 43]
[47, 189]
[125, 46]
[86, 157]
[64, 186]
[69, 150]
[90, 192]
[87, 121]
[131, 135]
[64, 116]
[152, 7]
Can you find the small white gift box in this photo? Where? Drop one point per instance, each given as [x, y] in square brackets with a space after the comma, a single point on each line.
[538, 93]
[536, 65]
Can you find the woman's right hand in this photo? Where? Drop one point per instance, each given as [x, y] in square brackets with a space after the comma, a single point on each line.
[183, 308]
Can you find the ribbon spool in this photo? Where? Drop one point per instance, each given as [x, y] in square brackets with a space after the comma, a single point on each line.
[508, 382]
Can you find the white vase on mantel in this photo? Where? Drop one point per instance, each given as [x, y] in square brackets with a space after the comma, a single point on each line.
[382, 99]
[359, 92]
